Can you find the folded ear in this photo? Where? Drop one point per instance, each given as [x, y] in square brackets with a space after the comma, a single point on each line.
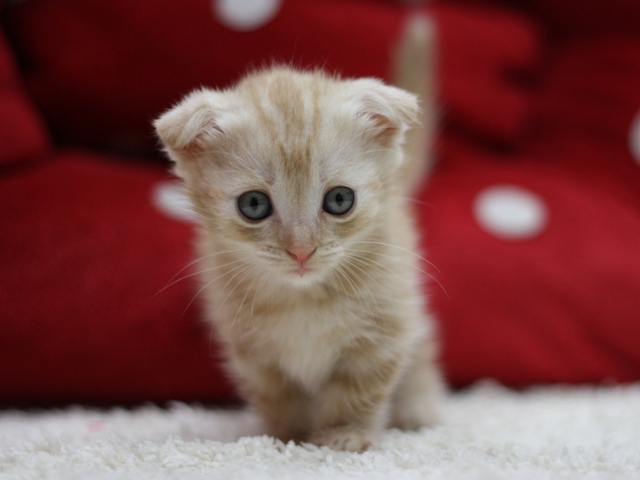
[390, 111]
[192, 126]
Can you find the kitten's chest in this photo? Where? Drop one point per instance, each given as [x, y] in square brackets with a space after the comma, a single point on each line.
[306, 343]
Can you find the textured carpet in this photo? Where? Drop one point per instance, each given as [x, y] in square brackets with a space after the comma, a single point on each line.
[488, 433]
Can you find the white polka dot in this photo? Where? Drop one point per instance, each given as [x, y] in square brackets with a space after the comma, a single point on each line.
[171, 199]
[246, 15]
[510, 212]
[634, 137]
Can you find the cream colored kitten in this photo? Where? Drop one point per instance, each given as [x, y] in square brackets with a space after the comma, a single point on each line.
[308, 265]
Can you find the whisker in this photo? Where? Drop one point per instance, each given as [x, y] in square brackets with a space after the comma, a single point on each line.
[401, 249]
[337, 274]
[203, 257]
[377, 266]
[248, 289]
[372, 263]
[432, 277]
[373, 298]
[361, 260]
[356, 289]
[206, 285]
[265, 276]
[416, 201]
[199, 272]
[336, 288]
[246, 271]
[197, 260]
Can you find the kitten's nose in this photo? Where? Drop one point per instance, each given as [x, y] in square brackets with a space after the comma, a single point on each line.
[301, 254]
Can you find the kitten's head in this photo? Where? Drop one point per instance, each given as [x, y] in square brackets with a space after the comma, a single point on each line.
[290, 170]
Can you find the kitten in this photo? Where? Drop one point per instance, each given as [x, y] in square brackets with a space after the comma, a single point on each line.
[308, 261]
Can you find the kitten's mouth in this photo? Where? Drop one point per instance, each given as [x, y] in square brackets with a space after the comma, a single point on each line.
[301, 255]
[301, 270]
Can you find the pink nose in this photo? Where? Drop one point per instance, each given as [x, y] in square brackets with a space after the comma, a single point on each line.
[301, 254]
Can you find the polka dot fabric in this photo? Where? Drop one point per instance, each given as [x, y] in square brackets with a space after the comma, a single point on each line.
[556, 305]
[531, 217]
[245, 15]
[538, 249]
[510, 212]
[152, 53]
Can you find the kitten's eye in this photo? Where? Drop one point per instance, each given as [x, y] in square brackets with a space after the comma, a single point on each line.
[338, 200]
[255, 205]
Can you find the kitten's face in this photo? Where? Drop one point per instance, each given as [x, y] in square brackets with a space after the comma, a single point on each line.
[290, 171]
[293, 213]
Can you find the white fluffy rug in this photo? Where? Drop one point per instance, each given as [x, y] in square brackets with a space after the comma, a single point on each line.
[488, 433]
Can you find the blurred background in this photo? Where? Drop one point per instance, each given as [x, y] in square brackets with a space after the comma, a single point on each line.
[530, 216]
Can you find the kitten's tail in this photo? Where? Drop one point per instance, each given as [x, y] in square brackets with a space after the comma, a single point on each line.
[415, 71]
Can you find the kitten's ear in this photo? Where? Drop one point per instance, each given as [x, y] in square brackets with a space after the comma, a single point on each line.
[192, 126]
[390, 111]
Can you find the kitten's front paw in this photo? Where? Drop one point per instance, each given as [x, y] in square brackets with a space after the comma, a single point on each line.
[347, 438]
[414, 419]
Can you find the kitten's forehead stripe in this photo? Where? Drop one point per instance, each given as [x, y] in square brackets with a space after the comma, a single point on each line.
[291, 115]
[263, 119]
[288, 100]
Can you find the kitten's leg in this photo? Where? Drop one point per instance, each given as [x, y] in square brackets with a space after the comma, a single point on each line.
[419, 395]
[283, 406]
[356, 400]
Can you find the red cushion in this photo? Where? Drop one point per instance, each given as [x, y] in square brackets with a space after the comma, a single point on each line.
[592, 90]
[22, 133]
[561, 306]
[85, 258]
[486, 58]
[558, 306]
[589, 17]
[100, 71]
[106, 68]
